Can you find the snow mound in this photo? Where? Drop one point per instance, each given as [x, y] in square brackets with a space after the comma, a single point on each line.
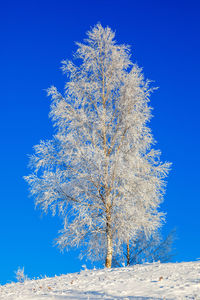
[141, 282]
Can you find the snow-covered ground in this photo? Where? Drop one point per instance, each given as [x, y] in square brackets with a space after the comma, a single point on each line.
[141, 282]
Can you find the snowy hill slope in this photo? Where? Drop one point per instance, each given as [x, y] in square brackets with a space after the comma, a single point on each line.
[141, 282]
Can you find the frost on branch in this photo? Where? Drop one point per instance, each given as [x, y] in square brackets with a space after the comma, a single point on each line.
[20, 276]
[100, 171]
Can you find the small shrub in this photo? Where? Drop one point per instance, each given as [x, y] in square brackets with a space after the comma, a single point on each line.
[20, 276]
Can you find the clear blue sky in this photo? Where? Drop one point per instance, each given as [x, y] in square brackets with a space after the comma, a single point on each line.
[35, 37]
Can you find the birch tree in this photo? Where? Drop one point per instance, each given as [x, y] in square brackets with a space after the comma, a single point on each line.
[99, 170]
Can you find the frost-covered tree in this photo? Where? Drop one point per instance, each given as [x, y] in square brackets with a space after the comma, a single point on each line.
[146, 249]
[99, 171]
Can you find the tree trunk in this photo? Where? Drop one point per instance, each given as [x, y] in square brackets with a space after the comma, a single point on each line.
[109, 252]
[109, 242]
[128, 253]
